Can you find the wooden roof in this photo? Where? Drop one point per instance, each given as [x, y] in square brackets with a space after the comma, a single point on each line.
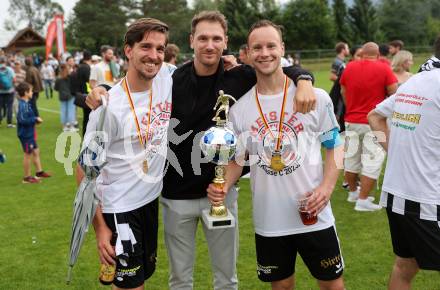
[25, 38]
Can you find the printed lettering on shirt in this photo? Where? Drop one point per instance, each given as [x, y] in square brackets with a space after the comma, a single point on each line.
[265, 142]
[160, 117]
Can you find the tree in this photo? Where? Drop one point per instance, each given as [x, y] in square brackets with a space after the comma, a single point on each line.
[200, 5]
[340, 16]
[97, 22]
[413, 21]
[241, 14]
[308, 24]
[175, 13]
[364, 22]
[36, 13]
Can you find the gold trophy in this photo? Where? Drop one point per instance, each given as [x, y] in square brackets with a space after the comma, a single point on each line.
[218, 144]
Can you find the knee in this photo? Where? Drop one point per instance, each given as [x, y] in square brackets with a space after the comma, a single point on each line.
[405, 268]
[286, 284]
[337, 284]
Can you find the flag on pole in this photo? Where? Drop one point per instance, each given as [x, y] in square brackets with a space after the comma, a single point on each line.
[55, 30]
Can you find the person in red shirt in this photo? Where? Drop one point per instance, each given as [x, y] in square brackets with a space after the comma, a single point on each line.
[364, 84]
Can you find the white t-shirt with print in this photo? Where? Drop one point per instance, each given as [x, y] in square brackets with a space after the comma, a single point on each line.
[275, 194]
[413, 165]
[102, 74]
[122, 186]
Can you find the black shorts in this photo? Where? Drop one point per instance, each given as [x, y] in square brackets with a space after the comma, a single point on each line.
[28, 145]
[142, 263]
[413, 237]
[319, 250]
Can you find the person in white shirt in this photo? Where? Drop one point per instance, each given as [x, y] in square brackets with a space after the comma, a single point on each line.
[48, 75]
[284, 151]
[171, 54]
[411, 188]
[101, 73]
[130, 183]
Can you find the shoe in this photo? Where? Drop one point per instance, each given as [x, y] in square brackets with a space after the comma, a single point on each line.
[11, 126]
[31, 179]
[366, 205]
[43, 174]
[345, 185]
[353, 196]
[72, 129]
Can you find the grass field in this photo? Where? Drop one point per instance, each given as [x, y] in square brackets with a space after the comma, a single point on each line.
[35, 223]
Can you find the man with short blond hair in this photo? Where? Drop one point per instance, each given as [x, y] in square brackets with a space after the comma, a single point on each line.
[271, 129]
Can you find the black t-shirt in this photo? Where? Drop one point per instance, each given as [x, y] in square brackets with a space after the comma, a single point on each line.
[80, 91]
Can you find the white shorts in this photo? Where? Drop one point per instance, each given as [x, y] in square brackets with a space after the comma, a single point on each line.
[363, 154]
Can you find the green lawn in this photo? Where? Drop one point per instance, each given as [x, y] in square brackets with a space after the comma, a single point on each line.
[35, 230]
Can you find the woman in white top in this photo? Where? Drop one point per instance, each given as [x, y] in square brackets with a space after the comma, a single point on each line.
[401, 64]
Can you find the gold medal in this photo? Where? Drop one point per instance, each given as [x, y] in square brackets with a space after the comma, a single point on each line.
[145, 166]
[276, 162]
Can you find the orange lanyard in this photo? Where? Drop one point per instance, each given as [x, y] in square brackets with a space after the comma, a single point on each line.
[280, 125]
[130, 101]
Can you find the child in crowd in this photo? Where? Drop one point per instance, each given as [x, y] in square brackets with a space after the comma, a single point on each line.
[26, 120]
[62, 85]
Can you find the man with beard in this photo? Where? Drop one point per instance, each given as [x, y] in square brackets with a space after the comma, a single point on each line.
[101, 73]
[137, 116]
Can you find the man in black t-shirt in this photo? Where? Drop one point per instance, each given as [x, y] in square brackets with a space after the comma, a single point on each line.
[80, 89]
[81, 86]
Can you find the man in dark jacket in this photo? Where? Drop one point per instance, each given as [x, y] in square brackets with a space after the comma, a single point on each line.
[33, 77]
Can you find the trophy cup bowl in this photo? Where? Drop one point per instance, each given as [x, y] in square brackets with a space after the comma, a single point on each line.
[218, 144]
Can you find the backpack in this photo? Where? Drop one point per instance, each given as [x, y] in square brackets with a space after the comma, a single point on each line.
[5, 80]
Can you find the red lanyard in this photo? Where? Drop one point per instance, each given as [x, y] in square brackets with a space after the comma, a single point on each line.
[130, 101]
[280, 125]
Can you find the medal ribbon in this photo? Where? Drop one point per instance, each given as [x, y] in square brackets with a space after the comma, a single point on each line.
[280, 125]
[130, 101]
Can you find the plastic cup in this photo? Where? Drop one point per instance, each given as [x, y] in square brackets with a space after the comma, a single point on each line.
[307, 218]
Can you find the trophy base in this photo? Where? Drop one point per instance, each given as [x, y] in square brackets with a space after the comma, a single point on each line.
[213, 223]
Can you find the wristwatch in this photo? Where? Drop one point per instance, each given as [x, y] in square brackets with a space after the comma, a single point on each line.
[304, 77]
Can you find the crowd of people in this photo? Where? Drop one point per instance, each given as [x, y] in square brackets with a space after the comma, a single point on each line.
[366, 80]
[282, 123]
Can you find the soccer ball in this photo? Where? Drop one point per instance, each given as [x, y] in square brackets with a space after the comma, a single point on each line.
[218, 144]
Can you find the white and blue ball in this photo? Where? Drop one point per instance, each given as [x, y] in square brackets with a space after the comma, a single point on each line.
[218, 144]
